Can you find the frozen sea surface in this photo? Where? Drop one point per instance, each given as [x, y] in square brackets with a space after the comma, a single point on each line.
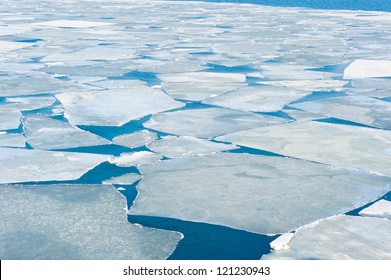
[224, 122]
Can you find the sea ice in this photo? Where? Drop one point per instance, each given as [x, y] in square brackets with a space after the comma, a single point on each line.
[261, 194]
[341, 145]
[73, 23]
[183, 146]
[257, 98]
[196, 86]
[9, 118]
[115, 107]
[308, 85]
[208, 123]
[45, 133]
[126, 179]
[21, 165]
[363, 68]
[12, 140]
[6, 46]
[136, 139]
[360, 109]
[380, 209]
[339, 238]
[74, 222]
[135, 158]
[28, 103]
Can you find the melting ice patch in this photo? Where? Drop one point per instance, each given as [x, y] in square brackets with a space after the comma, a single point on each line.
[74, 222]
[208, 123]
[258, 193]
[380, 209]
[339, 238]
[341, 145]
[360, 109]
[181, 146]
[45, 133]
[115, 107]
[20, 165]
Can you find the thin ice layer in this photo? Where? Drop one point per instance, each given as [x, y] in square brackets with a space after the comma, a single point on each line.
[380, 209]
[115, 107]
[135, 159]
[208, 123]
[136, 139]
[364, 68]
[339, 238]
[21, 165]
[341, 145]
[74, 222]
[256, 193]
[45, 133]
[183, 146]
[257, 98]
[200, 85]
[360, 109]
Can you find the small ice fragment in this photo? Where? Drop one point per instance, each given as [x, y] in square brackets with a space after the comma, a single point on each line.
[282, 241]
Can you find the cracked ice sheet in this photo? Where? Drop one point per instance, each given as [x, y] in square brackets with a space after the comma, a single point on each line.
[208, 123]
[339, 238]
[196, 86]
[359, 109]
[135, 159]
[115, 107]
[183, 146]
[363, 68]
[136, 139]
[340, 145]
[12, 140]
[45, 133]
[380, 209]
[80, 222]
[21, 165]
[261, 194]
[257, 98]
[9, 118]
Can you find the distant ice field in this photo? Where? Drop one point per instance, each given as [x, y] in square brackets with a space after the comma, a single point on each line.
[195, 129]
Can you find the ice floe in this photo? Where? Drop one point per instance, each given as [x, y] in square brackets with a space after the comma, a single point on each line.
[364, 68]
[309, 85]
[45, 133]
[73, 23]
[339, 238]
[21, 165]
[74, 222]
[257, 98]
[136, 139]
[208, 123]
[9, 118]
[6, 46]
[182, 146]
[28, 103]
[12, 140]
[126, 179]
[135, 158]
[115, 107]
[380, 209]
[252, 192]
[341, 145]
[360, 109]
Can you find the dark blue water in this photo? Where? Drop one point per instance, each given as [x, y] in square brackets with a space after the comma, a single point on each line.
[366, 5]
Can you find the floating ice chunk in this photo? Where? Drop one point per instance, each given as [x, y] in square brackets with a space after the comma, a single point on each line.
[45, 133]
[282, 241]
[257, 98]
[6, 46]
[182, 146]
[74, 222]
[256, 193]
[309, 85]
[135, 159]
[9, 118]
[340, 237]
[207, 123]
[286, 71]
[302, 115]
[134, 140]
[115, 107]
[20, 165]
[28, 103]
[380, 209]
[200, 85]
[360, 109]
[363, 68]
[341, 145]
[12, 140]
[73, 23]
[126, 179]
